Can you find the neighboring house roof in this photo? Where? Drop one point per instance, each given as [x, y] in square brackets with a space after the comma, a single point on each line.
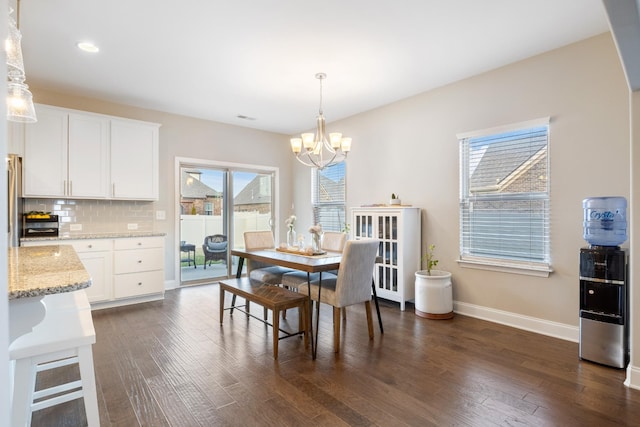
[329, 188]
[496, 171]
[257, 191]
[193, 188]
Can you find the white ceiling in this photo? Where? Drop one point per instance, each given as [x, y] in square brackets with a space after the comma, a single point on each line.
[217, 59]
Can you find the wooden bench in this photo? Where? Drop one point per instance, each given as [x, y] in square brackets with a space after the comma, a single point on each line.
[270, 297]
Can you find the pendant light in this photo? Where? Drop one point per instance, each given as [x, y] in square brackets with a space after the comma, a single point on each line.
[314, 150]
[19, 99]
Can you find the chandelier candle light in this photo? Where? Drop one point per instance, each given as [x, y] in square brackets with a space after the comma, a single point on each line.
[314, 150]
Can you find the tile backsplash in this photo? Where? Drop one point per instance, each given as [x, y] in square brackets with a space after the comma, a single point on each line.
[96, 216]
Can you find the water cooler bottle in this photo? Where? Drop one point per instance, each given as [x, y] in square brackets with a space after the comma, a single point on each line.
[604, 295]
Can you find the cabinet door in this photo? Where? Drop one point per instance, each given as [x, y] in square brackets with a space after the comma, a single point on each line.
[45, 154]
[98, 265]
[134, 160]
[88, 156]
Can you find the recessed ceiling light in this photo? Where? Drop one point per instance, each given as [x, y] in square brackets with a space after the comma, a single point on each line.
[88, 47]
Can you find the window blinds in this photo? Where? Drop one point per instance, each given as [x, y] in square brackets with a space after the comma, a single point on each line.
[504, 194]
[328, 197]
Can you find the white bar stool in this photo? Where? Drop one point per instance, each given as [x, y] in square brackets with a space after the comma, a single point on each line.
[64, 337]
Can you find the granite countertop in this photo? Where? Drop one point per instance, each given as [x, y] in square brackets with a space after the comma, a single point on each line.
[116, 235]
[43, 270]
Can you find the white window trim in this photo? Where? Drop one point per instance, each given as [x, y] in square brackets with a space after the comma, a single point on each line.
[514, 267]
[542, 121]
[527, 269]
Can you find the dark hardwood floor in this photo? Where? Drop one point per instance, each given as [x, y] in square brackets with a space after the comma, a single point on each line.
[170, 363]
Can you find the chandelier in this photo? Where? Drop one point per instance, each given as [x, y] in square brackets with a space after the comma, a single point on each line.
[314, 150]
[19, 99]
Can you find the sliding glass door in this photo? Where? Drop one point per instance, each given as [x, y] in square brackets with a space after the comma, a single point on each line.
[217, 205]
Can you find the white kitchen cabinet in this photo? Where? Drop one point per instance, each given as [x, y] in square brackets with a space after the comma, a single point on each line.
[66, 155]
[15, 138]
[96, 256]
[398, 230]
[80, 155]
[134, 160]
[123, 270]
[138, 266]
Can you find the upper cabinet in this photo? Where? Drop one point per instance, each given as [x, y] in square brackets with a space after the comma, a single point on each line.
[134, 158]
[74, 154]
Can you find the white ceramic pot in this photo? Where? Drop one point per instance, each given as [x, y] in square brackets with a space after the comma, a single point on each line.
[394, 201]
[434, 294]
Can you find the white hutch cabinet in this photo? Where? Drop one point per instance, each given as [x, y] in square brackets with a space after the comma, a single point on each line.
[398, 229]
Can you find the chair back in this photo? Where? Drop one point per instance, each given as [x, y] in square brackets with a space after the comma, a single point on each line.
[333, 241]
[258, 240]
[216, 242]
[254, 240]
[353, 284]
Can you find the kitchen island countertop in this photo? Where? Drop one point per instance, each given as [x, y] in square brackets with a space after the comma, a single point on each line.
[42, 270]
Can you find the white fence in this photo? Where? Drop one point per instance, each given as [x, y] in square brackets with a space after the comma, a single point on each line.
[194, 228]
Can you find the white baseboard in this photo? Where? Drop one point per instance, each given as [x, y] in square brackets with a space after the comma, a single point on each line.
[127, 301]
[633, 377]
[170, 284]
[532, 324]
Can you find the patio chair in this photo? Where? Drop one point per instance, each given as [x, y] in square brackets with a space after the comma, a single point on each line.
[214, 249]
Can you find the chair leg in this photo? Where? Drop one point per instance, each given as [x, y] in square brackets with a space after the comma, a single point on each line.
[23, 387]
[85, 362]
[336, 329]
[367, 305]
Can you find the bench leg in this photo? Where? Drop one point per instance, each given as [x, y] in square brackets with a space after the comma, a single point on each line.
[276, 332]
[304, 322]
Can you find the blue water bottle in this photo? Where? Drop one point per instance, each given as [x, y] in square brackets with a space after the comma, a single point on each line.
[605, 220]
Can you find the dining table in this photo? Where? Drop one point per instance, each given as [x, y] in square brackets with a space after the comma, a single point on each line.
[320, 263]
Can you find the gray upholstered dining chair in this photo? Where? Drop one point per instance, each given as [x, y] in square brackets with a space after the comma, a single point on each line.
[260, 271]
[351, 286]
[332, 241]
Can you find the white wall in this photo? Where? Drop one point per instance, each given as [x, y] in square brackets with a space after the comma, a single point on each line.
[410, 148]
[186, 137]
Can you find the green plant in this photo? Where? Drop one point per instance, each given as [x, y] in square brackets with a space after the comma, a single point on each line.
[394, 196]
[346, 228]
[428, 257]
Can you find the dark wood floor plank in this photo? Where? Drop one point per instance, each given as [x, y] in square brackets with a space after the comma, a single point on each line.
[171, 363]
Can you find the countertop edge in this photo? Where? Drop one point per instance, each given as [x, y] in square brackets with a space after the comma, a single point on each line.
[88, 236]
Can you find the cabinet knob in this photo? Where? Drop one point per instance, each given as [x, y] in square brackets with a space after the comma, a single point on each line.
[139, 261]
[139, 283]
[90, 246]
[139, 243]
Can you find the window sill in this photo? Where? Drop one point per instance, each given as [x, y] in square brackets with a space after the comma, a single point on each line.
[506, 267]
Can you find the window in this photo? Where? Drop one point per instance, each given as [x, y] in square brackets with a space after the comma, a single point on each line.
[328, 195]
[504, 198]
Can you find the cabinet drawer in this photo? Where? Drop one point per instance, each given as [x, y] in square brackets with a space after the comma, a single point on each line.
[134, 284]
[134, 261]
[83, 246]
[139, 243]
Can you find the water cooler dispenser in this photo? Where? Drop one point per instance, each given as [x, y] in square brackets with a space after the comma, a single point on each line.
[604, 295]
